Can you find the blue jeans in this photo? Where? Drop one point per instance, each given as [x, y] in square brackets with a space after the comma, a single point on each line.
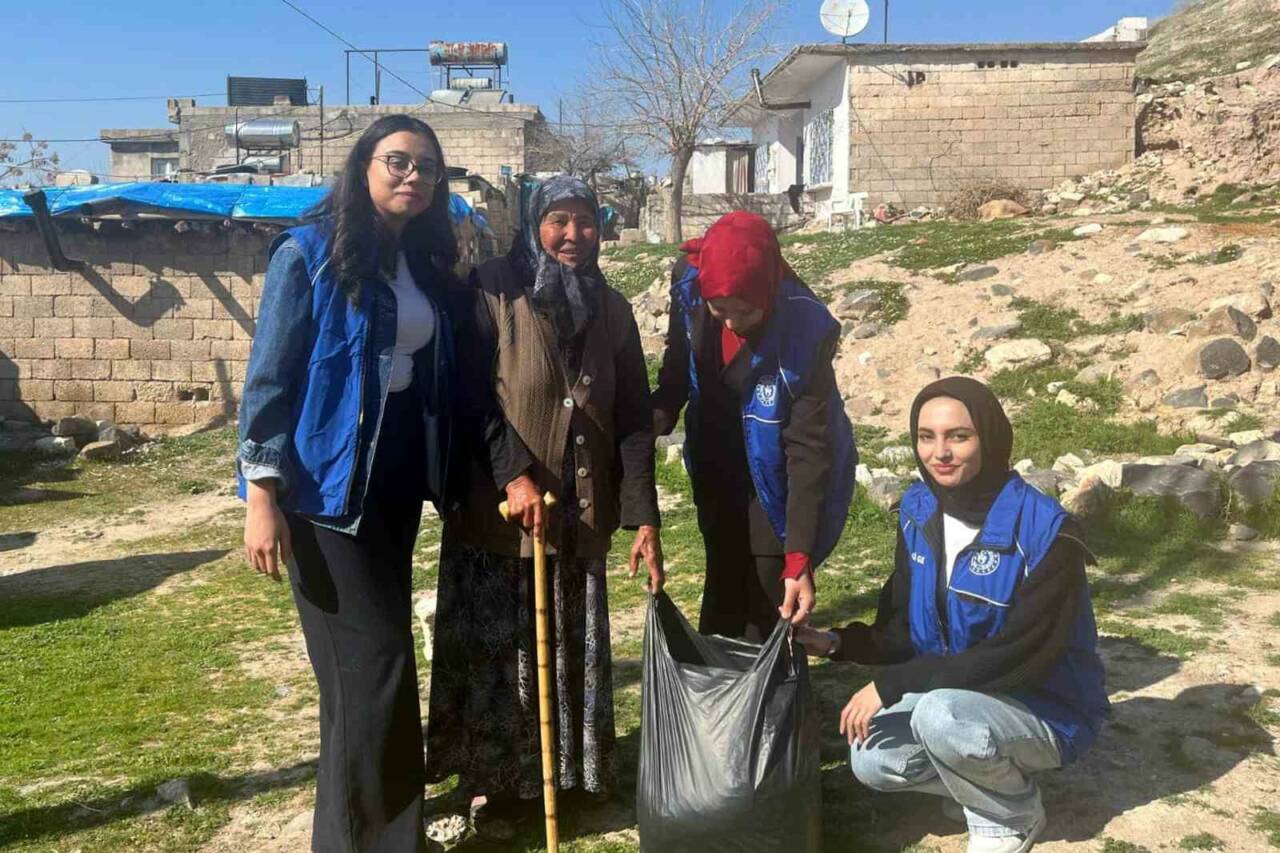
[977, 749]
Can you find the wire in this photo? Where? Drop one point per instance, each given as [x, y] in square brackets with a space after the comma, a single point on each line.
[96, 100]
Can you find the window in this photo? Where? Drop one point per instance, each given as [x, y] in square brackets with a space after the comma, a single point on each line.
[818, 147]
[762, 168]
[163, 167]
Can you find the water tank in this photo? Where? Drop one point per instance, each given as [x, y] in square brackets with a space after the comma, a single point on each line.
[468, 84]
[276, 134]
[468, 52]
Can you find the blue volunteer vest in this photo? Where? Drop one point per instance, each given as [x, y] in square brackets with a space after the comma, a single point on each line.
[1015, 537]
[781, 366]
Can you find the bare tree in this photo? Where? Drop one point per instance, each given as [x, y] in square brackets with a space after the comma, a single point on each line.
[587, 142]
[674, 67]
[29, 158]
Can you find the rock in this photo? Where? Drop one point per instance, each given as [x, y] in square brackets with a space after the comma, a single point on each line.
[1068, 463]
[1108, 471]
[447, 829]
[1045, 482]
[1199, 451]
[1187, 398]
[1171, 234]
[859, 408]
[1253, 304]
[299, 823]
[1097, 372]
[856, 304]
[1080, 404]
[1103, 279]
[1087, 346]
[1087, 230]
[862, 475]
[1041, 247]
[865, 358]
[1266, 353]
[1082, 212]
[1145, 379]
[977, 273]
[898, 455]
[1246, 437]
[668, 440]
[1195, 489]
[1225, 401]
[886, 492]
[175, 792]
[1223, 321]
[1071, 196]
[1087, 499]
[1022, 466]
[866, 330]
[1001, 290]
[1023, 352]
[675, 453]
[1255, 451]
[127, 439]
[1205, 753]
[994, 333]
[1165, 320]
[1001, 208]
[1219, 359]
[56, 445]
[1242, 533]
[75, 427]
[1255, 484]
[102, 451]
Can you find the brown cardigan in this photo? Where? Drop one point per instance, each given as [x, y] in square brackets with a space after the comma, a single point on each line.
[602, 415]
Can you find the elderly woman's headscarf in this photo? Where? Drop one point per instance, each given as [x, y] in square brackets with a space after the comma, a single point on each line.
[971, 501]
[564, 294]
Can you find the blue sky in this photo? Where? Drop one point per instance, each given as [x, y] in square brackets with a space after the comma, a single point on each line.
[99, 48]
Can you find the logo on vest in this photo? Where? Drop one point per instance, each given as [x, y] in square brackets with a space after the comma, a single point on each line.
[767, 390]
[984, 562]
[918, 559]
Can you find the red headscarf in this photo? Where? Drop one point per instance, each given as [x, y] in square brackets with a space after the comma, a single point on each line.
[739, 256]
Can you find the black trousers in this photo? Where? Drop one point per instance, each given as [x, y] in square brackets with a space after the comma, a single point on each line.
[354, 598]
[742, 590]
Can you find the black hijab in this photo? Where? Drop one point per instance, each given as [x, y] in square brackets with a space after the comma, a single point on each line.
[970, 501]
[565, 294]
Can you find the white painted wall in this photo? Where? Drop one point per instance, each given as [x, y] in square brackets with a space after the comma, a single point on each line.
[707, 170]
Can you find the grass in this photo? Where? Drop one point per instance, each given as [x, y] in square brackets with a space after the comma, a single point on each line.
[1267, 822]
[1208, 610]
[633, 269]
[1051, 323]
[893, 300]
[1044, 430]
[1217, 207]
[1114, 845]
[1201, 841]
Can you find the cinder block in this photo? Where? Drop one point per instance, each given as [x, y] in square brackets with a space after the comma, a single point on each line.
[50, 368]
[154, 392]
[34, 348]
[54, 284]
[35, 390]
[193, 309]
[33, 306]
[135, 413]
[134, 370]
[149, 349]
[126, 327]
[215, 330]
[174, 413]
[90, 368]
[73, 391]
[51, 411]
[74, 348]
[111, 348]
[171, 371]
[189, 350]
[113, 392]
[174, 330]
[93, 327]
[14, 284]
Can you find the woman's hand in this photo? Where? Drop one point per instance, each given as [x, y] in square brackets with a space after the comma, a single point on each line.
[798, 599]
[524, 504]
[648, 545]
[855, 719]
[815, 642]
[266, 533]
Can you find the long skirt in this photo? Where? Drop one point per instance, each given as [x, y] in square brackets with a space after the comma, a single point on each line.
[482, 722]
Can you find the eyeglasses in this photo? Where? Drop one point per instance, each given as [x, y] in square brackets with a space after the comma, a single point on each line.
[401, 167]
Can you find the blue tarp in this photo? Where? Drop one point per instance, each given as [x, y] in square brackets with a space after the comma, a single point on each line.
[229, 201]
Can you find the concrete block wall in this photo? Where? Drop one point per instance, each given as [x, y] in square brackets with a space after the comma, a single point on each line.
[701, 210]
[1056, 115]
[156, 331]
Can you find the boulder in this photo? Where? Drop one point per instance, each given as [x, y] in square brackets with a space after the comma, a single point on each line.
[668, 440]
[1022, 352]
[997, 332]
[1255, 451]
[1097, 372]
[1187, 398]
[75, 427]
[1068, 463]
[56, 445]
[1001, 208]
[1046, 482]
[1223, 321]
[1087, 346]
[865, 330]
[1164, 320]
[897, 455]
[886, 491]
[1246, 437]
[102, 451]
[1253, 303]
[856, 304]
[126, 438]
[1087, 499]
[1219, 359]
[1040, 247]
[977, 273]
[1087, 230]
[1080, 404]
[1266, 353]
[1108, 471]
[1255, 484]
[1170, 234]
[1193, 488]
[1242, 533]
[1071, 195]
[1146, 379]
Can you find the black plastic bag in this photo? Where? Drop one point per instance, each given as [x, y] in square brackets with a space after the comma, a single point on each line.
[728, 742]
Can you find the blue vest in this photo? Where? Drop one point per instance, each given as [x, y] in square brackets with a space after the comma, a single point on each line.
[1015, 537]
[337, 413]
[782, 363]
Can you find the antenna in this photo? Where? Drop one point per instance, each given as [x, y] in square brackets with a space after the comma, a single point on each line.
[844, 18]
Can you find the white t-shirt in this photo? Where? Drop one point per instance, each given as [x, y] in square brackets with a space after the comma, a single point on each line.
[956, 536]
[415, 324]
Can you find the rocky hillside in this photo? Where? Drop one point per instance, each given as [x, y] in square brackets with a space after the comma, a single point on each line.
[1204, 38]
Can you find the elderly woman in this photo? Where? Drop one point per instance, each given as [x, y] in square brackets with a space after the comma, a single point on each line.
[562, 352]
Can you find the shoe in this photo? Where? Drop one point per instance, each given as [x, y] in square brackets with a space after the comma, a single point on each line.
[1020, 843]
[496, 820]
[953, 811]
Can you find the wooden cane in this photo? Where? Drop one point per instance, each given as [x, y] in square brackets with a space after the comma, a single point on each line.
[541, 626]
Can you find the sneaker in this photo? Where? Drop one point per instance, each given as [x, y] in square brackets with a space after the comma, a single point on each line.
[1019, 843]
[953, 811]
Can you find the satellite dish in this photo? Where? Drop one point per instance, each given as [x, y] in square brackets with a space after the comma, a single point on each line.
[845, 18]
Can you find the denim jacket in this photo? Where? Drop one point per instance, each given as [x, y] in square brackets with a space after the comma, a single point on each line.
[317, 384]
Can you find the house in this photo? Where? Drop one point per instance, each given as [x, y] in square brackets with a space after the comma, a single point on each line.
[911, 123]
[142, 154]
[722, 166]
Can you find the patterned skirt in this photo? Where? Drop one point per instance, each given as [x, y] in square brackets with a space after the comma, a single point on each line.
[482, 721]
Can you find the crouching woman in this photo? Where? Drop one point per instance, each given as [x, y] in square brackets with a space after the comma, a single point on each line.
[985, 628]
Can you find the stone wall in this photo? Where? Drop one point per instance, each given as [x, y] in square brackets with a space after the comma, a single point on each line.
[482, 142]
[155, 331]
[924, 124]
[700, 211]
